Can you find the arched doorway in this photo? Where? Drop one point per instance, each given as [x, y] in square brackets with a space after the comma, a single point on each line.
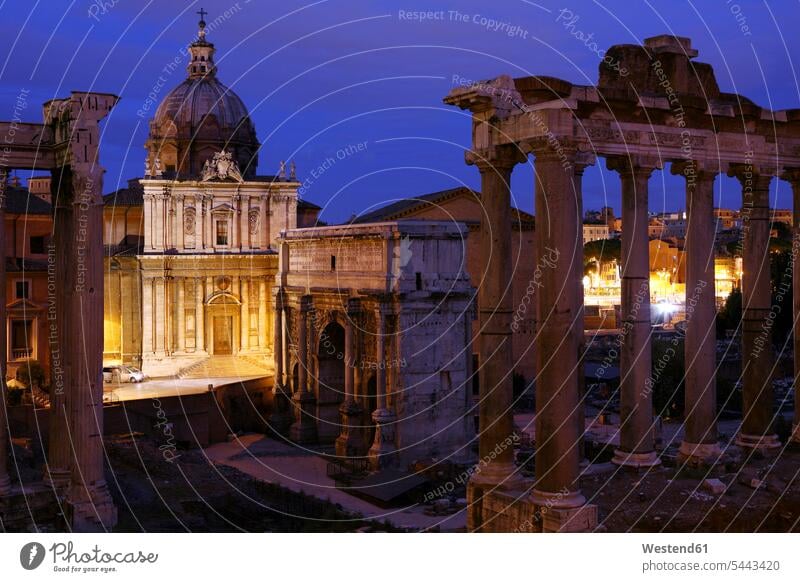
[222, 325]
[330, 382]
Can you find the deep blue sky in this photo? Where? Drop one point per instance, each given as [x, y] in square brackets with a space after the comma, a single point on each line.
[360, 73]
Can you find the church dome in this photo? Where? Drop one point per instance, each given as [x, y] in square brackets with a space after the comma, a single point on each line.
[190, 103]
[199, 118]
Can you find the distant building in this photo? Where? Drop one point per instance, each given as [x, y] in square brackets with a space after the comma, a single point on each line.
[593, 232]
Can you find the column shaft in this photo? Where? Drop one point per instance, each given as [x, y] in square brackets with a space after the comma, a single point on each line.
[757, 357]
[700, 437]
[5, 479]
[181, 319]
[199, 316]
[637, 447]
[794, 177]
[496, 364]
[263, 327]
[245, 317]
[559, 313]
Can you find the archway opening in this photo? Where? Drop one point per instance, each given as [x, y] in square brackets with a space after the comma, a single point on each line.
[330, 382]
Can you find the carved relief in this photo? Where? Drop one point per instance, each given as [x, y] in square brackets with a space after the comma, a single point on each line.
[189, 221]
[254, 221]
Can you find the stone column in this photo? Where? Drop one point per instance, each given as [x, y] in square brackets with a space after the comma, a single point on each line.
[793, 176]
[559, 313]
[304, 429]
[281, 417]
[148, 345]
[381, 453]
[349, 442]
[262, 315]
[244, 326]
[5, 479]
[199, 316]
[160, 324]
[180, 226]
[181, 319]
[700, 438]
[496, 363]
[757, 358]
[89, 504]
[637, 447]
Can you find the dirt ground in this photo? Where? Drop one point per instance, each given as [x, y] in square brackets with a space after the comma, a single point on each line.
[761, 495]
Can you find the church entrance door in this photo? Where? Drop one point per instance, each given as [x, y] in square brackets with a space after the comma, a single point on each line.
[223, 335]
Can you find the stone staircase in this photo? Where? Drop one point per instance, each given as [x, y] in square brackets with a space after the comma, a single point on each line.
[227, 367]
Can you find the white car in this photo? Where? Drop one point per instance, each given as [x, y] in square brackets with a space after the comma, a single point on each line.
[120, 374]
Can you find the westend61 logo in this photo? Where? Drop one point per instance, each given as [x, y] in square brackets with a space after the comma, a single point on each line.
[66, 559]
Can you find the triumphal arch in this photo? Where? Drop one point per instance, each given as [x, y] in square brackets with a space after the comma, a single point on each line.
[654, 107]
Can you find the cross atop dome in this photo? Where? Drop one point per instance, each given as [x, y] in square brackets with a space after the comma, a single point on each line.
[201, 35]
[202, 63]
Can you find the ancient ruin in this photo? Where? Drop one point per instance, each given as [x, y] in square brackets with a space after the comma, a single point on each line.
[658, 106]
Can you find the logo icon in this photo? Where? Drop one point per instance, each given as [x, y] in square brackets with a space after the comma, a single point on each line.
[31, 555]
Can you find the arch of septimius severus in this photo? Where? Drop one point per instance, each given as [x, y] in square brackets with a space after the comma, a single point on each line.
[66, 144]
[658, 106]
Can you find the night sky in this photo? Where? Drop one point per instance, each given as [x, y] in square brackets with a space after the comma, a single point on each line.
[322, 77]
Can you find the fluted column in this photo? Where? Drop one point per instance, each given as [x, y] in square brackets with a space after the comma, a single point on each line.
[381, 453]
[181, 309]
[496, 364]
[160, 324]
[793, 176]
[263, 328]
[559, 313]
[349, 442]
[637, 447]
[700, 438]
[304, 429]
[244, 326]
[199, 316]
[5, 479]
[757, 358]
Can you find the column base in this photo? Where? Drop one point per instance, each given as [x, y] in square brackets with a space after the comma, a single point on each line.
[97, 513]
[500, 476]
[304, 429]
[758, 442]
[56, 478]
[635, 460]
[699, 453]
[559, 500]
[581, 519]
[381, 453]
[349, 442]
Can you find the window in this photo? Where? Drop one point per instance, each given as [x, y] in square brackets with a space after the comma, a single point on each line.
[222, 233]
[333, 262]
[21, 339]
[37, 245]
[22, 289]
